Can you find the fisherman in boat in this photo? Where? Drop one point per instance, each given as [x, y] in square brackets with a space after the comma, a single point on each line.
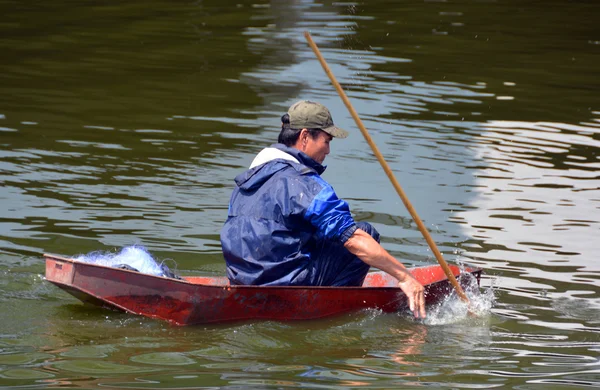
[287, 227]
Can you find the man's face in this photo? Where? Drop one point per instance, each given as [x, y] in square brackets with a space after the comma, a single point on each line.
[316, 148]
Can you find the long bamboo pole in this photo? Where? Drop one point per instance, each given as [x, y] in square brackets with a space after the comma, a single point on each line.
[388, 171]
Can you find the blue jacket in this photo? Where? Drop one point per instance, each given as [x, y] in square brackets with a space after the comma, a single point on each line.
[277, 213]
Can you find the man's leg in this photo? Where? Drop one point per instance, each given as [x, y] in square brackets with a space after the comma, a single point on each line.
[336, 266]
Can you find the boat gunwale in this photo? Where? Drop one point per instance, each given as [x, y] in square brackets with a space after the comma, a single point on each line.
[467, 270]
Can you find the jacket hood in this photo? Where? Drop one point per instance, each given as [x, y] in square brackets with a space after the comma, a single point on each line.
[254, 178]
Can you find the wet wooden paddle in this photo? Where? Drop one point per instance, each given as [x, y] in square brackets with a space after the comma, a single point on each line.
[388, 171]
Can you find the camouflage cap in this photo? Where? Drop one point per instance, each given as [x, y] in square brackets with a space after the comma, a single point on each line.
[311, 115]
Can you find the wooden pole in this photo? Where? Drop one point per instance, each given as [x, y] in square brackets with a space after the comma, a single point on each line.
[388, 171]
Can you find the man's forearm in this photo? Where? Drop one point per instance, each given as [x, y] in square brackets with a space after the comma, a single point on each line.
[362, 245]
[368, 250]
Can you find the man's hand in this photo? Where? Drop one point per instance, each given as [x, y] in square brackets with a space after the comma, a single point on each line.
[414, 291]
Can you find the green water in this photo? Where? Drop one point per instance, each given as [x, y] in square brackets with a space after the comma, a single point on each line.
[124, 123]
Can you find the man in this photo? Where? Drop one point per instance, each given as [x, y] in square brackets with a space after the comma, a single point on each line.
[287, 227]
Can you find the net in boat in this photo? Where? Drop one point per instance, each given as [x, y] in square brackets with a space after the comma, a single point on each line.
[133, 258]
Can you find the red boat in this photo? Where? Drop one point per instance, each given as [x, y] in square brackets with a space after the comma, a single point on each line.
[199, 300]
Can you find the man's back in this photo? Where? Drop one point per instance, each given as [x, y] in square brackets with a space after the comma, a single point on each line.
[273, 223]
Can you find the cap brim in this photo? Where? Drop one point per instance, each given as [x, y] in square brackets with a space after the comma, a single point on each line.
[336, 132]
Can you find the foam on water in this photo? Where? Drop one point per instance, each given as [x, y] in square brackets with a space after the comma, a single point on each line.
[134, 256]
[453, 309]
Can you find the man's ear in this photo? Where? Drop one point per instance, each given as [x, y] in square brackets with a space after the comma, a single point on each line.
[303, 134]
[303, 138]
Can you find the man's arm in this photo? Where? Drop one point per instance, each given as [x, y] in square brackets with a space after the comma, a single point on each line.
[362, 245]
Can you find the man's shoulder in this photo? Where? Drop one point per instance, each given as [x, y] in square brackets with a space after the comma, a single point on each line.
[299, 179]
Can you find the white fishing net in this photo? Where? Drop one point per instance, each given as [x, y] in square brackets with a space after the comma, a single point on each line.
[134, 257]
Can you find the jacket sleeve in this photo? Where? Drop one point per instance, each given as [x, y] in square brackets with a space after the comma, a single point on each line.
[330, 215]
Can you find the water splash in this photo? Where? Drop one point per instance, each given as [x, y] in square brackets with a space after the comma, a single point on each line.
[453, 309]
[134, 257]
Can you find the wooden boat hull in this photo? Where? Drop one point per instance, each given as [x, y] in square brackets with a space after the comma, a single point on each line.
[200, 300]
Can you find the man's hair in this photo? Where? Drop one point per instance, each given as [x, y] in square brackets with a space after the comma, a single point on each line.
[289, 136]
